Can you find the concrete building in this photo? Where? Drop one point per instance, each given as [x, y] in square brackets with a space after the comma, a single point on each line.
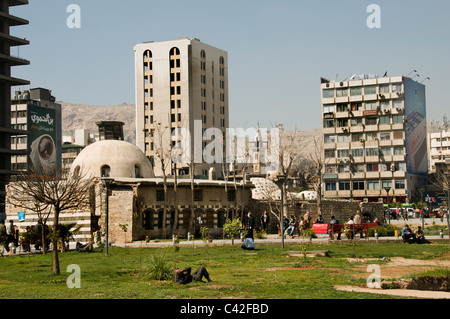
[7, 60]
[36, 113]
[439, 148]
[180, 84]
[374, 132]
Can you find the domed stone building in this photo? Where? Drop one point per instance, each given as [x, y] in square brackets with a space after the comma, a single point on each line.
[112, 158]
[138, 199]
[148, 205]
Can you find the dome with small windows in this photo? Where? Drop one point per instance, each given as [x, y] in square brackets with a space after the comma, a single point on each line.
[112, 158]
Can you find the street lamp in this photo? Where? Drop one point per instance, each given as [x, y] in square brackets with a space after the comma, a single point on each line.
[107, 182]
[387, 189]
[280, 183]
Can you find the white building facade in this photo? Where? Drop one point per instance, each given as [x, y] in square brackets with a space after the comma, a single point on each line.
[179, 84]
[375, 142]
[439, 148]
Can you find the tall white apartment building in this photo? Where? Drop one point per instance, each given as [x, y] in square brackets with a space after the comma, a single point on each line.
[439, 148]
[180, 84]
[375, 142]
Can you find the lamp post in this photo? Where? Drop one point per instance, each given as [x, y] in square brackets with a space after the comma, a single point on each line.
[387, 189]
[107, 182]
[280, 183]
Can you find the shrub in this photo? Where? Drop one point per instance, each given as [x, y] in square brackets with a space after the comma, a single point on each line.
[159, 268]
[384, 231]
[260, 233]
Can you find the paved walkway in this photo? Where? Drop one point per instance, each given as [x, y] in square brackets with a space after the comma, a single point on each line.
[272, 239]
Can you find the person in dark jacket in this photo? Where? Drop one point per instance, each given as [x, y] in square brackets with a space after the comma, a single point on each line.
[333, 221]
[250, 225]
[183, 276]
[265, 220]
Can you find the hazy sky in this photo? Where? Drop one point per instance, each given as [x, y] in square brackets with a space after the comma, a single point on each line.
[277, 50]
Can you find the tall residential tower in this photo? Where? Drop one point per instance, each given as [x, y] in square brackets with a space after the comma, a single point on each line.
[6, 82]
[179, 84]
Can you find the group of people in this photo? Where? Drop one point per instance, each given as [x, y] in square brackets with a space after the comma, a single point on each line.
[417, 236]
[304, 222]
[9, 235]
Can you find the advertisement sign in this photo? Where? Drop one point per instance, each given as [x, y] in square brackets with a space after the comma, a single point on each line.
[415, 128]
[43, 154]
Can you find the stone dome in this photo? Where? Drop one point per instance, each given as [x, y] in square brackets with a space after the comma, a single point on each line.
[113, 158]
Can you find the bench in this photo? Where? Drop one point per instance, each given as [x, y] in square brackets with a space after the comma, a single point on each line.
[353, 228]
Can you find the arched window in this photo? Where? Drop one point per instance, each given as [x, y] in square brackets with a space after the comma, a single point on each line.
[174, 51]
[137, 171]
[210, 219]
[221, 218]
[147, 54]
[160, 218]
[147, 219]
[105, 171]
[186, 218]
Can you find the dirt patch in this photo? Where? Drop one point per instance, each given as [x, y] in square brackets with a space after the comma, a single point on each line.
[430, 283]
[398, 292]
[397, 267]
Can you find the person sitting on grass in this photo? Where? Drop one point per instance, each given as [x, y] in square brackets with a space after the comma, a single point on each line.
[419, 235]
[183, 276]
[407, 233]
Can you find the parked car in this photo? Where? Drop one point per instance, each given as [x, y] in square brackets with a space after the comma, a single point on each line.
[410, 211]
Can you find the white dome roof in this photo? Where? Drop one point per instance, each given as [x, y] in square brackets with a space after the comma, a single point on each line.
[123, 159]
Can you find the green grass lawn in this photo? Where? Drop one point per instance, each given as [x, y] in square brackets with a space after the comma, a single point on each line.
[267, 272]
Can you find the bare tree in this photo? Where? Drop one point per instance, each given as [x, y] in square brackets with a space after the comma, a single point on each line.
[163, 151]
[290, 153]
[60, 193]
[317, 166]
[441, 179]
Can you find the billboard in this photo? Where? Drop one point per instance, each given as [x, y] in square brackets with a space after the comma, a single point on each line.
[415, 128]
[43, 140]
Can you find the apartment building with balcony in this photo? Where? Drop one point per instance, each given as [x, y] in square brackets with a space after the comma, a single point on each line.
[374, 132]
[7, 61]
[439, 148]
[36, 117]
[179, 84]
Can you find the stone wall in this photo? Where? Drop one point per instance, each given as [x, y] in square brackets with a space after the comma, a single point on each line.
[121, 212]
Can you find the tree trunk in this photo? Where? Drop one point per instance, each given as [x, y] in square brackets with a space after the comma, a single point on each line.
[44, 251]
[56, 269]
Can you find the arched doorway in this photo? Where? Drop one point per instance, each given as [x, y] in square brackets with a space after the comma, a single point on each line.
[198, 222]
